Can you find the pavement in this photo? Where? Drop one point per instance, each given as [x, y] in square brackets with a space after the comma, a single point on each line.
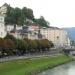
[10, 58]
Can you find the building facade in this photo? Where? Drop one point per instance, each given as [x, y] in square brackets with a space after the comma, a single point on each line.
[30, 32]
[9, 28]
[2, 27]
[58, 36]
[3, 9]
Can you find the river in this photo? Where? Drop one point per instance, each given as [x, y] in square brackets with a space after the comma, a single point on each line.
[66, 69]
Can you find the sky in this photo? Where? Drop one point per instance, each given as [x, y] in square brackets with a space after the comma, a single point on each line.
[59, 13]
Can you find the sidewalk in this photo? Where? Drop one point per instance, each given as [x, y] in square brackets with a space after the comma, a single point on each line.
[25, 57]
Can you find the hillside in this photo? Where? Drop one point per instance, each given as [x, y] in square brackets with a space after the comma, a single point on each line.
[24, 16]
[71, 32]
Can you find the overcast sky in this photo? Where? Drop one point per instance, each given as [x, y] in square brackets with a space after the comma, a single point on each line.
[60, 13]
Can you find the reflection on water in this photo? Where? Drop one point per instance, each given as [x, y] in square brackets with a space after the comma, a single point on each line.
[67, 69]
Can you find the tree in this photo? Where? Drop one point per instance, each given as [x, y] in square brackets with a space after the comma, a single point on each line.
[41, 21]
[24, 14]
[8, 36]
[21, 46]
[39, 45]
[51, 44]
[30, 14]
[17, 14]
[1, 46]
[32, 45]
[10, 17]
[8, 46]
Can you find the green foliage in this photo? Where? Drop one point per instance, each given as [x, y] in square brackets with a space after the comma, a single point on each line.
[10, 16]
[7, 46]
[23, 16]
[21, 45]
[10, 44]
[8, 36]
[30, 14]
[18, 16]
[51, 44]
[42, 22]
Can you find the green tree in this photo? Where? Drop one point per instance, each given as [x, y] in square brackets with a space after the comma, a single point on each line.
[8, 36]
[39, 45]
[30, 14]
[24, 14]
[21, 46]
[51, 44]
[10, 17]
[1, 46]
[8, 46]
[42, 22]
[17, 14]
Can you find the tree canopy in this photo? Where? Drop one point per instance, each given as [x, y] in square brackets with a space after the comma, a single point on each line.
[18, 16]
[42, 22]
[23, 16]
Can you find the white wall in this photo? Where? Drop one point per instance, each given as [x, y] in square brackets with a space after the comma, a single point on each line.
[2, 27]
[57, 36]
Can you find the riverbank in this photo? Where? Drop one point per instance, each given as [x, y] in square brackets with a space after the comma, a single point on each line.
[31, 66]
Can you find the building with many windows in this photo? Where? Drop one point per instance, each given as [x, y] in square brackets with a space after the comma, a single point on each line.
[2, 27]
[58, 36]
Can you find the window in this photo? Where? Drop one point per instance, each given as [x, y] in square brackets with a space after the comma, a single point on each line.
[1, 19]
[1, 33]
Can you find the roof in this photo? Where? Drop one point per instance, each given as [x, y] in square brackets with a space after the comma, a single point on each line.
[54, 27]
[21, 31]
[5, 4]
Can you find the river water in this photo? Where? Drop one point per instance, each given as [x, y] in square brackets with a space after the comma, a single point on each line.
[66, 69]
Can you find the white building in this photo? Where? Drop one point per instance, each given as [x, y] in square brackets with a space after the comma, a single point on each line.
[58, 36]
[2, 27]
[11, 27]
[30, 32]
[3, 9]
[33, 32]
